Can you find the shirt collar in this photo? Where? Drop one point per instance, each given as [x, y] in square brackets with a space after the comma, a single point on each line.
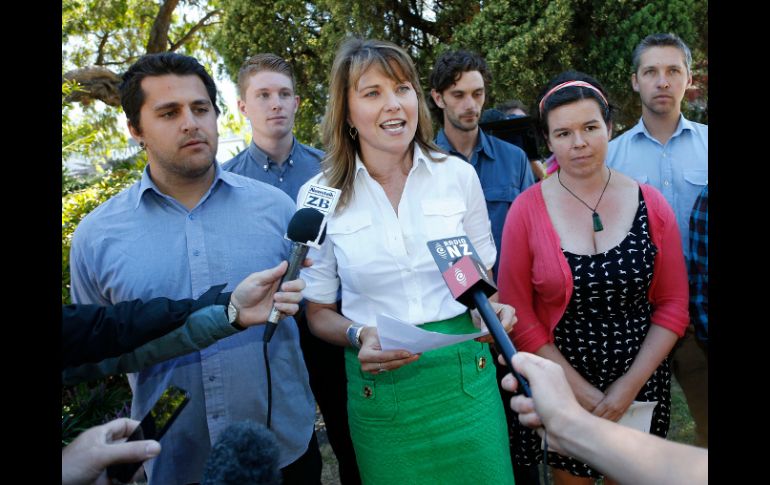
[683, 124]
[146, 183]
[483, 144]
[261, 158]
[418, 158]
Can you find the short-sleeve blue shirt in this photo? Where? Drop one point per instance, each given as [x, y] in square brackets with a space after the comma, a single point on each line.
[679, 169]
[145, 244]
[302, 164]
[504, 172]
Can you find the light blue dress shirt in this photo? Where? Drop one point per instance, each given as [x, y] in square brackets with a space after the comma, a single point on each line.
[504, 172]
[679, 169]
[302, 164]
[145, 244]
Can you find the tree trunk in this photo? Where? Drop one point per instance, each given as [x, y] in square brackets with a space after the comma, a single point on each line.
[159, 33]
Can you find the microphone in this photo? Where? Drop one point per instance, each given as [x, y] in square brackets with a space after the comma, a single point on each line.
[245, 454]
[304, 229]
[469, 284]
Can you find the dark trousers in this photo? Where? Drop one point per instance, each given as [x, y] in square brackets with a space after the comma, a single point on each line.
[523, 475]
[326, 368]
[305, 470]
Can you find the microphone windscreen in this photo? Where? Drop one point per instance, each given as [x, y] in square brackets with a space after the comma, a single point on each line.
[245, 454]
[305, 225]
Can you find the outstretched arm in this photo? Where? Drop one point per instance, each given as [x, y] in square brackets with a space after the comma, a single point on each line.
[626, 455]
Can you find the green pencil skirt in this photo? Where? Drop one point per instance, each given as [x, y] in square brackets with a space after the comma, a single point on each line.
[438, 420]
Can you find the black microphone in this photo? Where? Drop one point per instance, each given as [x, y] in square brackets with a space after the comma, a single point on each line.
[469, 284]
[245, 454]
[304, 227]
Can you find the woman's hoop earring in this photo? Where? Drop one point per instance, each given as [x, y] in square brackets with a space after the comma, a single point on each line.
[353, 132]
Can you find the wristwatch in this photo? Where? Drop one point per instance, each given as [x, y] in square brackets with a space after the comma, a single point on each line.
[232, 315]
[354, 334]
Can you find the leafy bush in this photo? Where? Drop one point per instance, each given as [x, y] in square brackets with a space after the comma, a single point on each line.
[90, 404]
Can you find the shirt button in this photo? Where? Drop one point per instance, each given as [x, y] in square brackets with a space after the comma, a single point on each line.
[192, 217]
[265, 167]
[291, 162]
[212, 378]
[665, 182]
[196, 252]
[280, 179]
[482, 362]
[368, 392]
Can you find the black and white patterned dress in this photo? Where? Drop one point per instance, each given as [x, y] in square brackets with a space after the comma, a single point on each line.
[602, 330]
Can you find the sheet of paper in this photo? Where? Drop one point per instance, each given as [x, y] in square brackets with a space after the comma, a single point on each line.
[637, 416]
[396, 335]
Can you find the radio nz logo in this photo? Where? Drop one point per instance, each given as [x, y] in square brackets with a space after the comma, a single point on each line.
[460, 277]
[440, 250]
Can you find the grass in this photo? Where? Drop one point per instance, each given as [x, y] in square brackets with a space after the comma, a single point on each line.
[682, 428]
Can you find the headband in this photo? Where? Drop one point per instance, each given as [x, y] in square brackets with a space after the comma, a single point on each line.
[581, 84]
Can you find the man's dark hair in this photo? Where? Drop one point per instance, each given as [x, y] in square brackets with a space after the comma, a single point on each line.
[511, 104]
[449, 68]
[131, 94]
[661, 40]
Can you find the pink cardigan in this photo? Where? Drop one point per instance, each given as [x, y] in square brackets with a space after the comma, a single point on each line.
[535, 278]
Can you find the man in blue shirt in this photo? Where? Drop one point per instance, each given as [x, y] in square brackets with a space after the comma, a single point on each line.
[458, 89]
[669, 152]
[267, 98]
[184, 227]
[458, 85]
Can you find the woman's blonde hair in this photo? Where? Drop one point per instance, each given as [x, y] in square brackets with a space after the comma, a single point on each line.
[353, 59]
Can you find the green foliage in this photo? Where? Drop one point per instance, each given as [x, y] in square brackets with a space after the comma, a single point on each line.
[528, 42]
[90, 404]
[88, 132]
[525, 42]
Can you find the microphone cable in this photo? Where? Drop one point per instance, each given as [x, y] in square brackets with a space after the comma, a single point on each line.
[269, 384]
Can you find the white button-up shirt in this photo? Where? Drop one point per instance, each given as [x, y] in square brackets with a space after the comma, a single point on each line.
[381, 258]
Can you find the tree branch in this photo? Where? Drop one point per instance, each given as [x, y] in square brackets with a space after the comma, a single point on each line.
[100, 51]
[159, 33]
[188, 35]
[95, 82]
[416, 21]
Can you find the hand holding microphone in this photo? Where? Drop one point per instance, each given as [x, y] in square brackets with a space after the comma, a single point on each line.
[469, 284]
[505, 313]
[258, 294]
[304, 229]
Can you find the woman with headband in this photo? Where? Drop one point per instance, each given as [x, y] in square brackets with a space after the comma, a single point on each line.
[593, 264]
[430, 418]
